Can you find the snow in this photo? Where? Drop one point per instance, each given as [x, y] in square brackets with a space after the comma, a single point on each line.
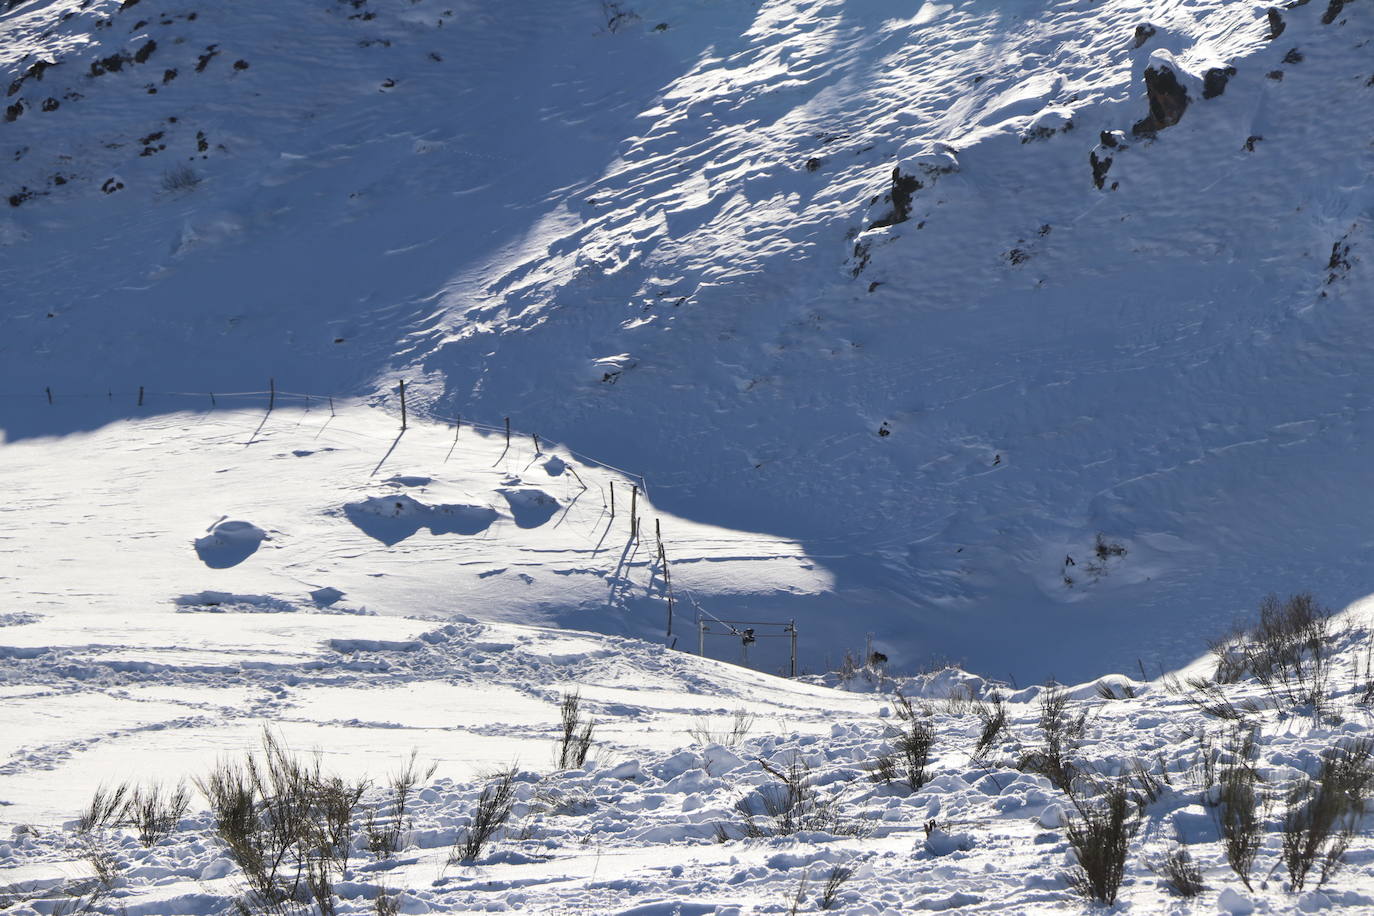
[825, 289]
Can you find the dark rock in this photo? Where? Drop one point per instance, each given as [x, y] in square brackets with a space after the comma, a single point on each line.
[37, 69]
[1143, 33]
[240, 65]
[1276, 23]
[15, 87]
[1275, 75]
[1294, 56]
[142, 54]
[1214, 81]
[1107, 139]
[1250, 142]
[1168, 100]
[51, 104]
[1101, 166]
[13, 112]
[813, 163]
[168, 76]
[126, 4]
[1332, 11]
[904, 187]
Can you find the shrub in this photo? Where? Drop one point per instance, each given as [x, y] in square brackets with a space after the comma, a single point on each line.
[1321, 819]
[992, 717]
[384, 836]
[179, 178]
[913, 752]
[789, 805]
[282, 815]
[738, 729]
[1100, 837]
[155, 812]
[106, 809]
[576, 740]
[1179, 872]
[839, 874]
[1237, 808]
[1288, 651]
[493, 809]
[1063, 734]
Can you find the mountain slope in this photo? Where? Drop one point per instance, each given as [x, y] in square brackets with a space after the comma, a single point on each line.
[685, 249]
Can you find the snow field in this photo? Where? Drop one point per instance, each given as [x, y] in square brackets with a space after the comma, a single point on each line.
[639, 829]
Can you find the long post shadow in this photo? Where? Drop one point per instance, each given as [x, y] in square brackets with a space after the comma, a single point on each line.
[395, 442]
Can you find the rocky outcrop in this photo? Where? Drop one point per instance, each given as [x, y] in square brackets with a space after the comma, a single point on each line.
[1168, 100]
[904, 187]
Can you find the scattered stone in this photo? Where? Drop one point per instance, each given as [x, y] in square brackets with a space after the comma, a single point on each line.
[1214, 81]
[1250, 142]
[1294, 56]
[1143, 33]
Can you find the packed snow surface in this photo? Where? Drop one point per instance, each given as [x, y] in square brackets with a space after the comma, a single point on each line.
[1030, 336]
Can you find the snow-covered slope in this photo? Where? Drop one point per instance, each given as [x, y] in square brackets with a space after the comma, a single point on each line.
[677, 241]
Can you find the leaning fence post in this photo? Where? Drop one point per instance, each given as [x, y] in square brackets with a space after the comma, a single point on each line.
[49, 391]
[212, 400]
[535, 437]
[272, 394]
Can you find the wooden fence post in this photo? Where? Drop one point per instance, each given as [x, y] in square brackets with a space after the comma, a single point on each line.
[49, 391]
[403, 405]
[272, 394]
[140, 395]
[634, 513]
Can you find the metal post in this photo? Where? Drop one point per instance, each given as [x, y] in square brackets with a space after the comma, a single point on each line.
[403, 405]
[792, 627]
[507, 432]
[140, 395]
[612, 499]
[213, 402]
[49, 391]
[701, 636]
[271, 397]
[535, 437]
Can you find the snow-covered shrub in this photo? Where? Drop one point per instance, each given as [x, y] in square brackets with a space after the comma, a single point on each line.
[1179, 872]
[1288, 651]
[1063, 734]
[1100, 837]
[179, 178]
[494, 807]
[1321, 819]
[285, 823]
[576, 740]
[1237, 804]
[384, 833]
[155, 811]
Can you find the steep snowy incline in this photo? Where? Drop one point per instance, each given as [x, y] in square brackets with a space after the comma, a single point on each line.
[949, 379]
[677, 240]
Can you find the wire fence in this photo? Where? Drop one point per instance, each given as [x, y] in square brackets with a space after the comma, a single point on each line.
[272, 397]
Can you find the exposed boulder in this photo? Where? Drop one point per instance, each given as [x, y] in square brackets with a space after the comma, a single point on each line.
[1168, 100]
[1214, 81]
[904, 187]
[1276, 23]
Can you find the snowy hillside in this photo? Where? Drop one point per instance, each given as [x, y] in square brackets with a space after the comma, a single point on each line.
[841, 272]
